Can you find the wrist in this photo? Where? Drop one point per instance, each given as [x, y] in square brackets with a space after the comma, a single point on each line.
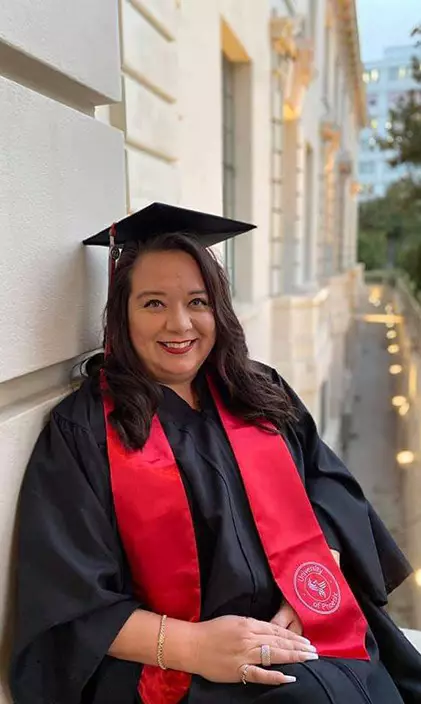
[180, 650]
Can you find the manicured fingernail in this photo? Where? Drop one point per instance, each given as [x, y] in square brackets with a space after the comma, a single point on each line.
[288, 679]
[312, 656]
[306, 640]
[313, 648]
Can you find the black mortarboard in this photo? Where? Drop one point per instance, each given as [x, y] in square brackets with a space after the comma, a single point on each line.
[159, 218]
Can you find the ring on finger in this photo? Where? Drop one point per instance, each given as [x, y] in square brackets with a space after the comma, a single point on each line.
[244, 674]
[265, 655]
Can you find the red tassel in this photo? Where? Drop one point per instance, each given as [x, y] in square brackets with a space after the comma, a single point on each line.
[113, 256]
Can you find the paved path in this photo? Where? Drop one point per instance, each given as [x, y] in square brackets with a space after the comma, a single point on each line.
[372, 447]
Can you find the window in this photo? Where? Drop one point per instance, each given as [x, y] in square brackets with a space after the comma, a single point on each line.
[327, 60]
[229, 171]
[324, 408]
[399, 72]
[371, 76]
[372, 101]
[367, 167]
[313, 17]
[368, 143]
[366, 189]
[276, 261]
[394, 98]
[309, 219]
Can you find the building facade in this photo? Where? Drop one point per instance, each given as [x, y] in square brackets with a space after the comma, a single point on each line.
[387, 81]
[248, 109]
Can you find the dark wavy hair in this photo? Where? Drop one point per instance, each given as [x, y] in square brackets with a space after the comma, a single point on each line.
[249, 393]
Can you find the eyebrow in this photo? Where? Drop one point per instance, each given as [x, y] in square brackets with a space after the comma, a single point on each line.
[143, 294]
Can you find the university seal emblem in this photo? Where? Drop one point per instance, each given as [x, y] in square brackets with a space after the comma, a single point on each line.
[317, 588]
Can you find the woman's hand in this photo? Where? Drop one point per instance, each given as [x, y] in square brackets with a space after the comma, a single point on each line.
[289, 619]
[224, 645]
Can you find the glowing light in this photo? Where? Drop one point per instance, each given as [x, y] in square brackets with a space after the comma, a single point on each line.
[398, 401]
[412, 382]
[389, 320]
[375, 295]
[391, 334]
[393, 349]
[403, 410]
[405, 457]
[395, 369]
[417, 576]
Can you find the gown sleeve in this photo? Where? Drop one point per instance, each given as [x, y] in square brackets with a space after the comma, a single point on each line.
[72, 599]
[370, 558]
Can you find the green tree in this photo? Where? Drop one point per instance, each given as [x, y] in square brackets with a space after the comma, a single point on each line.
[389, 228]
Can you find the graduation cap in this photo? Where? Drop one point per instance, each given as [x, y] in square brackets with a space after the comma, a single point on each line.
[159, 219]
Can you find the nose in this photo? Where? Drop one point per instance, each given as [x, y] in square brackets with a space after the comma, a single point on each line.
[178, 320]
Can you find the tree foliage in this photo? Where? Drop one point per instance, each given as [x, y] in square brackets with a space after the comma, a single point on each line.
[392, 220]
[404, 136]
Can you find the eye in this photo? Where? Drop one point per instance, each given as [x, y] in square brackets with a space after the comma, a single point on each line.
[153, 303]
[199, 302]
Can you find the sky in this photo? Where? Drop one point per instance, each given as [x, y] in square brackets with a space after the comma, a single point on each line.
[384, 23]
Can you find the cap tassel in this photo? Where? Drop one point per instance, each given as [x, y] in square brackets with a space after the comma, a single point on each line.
[113, 256]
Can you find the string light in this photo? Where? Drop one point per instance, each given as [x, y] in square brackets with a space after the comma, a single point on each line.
[391, 334]
[398, 401]
[395, 369]
[405, 457]
[393, 349]
[403, 410]
[417, 576]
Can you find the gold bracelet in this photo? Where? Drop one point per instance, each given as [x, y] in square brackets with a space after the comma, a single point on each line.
[161, 641]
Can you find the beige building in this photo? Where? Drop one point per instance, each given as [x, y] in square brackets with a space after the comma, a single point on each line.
[251, 109]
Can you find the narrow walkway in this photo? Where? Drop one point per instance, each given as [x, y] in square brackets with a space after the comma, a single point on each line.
[371, 450]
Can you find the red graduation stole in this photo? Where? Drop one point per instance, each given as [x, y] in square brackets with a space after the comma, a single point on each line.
[157, 531]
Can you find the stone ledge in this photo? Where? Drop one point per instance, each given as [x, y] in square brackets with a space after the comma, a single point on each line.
[414, 637]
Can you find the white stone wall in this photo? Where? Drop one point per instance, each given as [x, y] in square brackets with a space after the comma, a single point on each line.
[62, 176]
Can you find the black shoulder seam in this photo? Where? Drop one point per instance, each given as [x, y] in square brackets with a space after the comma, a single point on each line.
[67, 422]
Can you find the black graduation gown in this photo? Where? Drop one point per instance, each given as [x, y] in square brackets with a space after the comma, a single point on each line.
[74, 590]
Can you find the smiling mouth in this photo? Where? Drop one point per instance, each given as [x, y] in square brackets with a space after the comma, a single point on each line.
[177, 347]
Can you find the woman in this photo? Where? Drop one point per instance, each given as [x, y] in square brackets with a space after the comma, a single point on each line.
[182, 524]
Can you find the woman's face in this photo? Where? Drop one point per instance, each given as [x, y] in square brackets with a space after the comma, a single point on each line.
[171, 324]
